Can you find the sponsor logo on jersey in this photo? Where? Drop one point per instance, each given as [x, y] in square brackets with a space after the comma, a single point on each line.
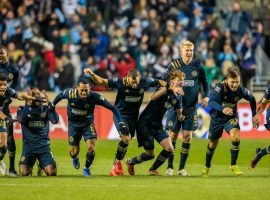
[132, 99]
[189, 83]
[79, 112]
[36, 124]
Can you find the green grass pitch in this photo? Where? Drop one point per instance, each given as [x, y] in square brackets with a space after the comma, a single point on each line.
[70, 184]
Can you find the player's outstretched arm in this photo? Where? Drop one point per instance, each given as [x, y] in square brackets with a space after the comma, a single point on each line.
[158, 93]
[97, 79]
[61, 96]
[22, 97]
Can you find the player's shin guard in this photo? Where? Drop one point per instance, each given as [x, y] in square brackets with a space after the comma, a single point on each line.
[171, 157]
[234, 152]
[140, 158]
[121, 150]
[11, 148]
[209, 155]
[184, 155]
[90, 156]
[3, 151]
[161, 159]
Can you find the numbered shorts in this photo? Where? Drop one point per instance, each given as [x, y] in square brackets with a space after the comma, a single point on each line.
[190, 122]
[3, 127]
[131, 123]
[75, 133]
[44, 158]
[217, 125]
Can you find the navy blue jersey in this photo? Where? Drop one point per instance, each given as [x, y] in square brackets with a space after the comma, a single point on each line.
[156, 109]
[223, 97]
[12, 72]
[81, 111]
[267, 93]
[194, 73]
[5, 100]
[35, 125]
[128, 99]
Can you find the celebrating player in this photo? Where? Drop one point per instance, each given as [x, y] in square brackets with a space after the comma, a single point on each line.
[265, 101]
[223, 103]
[34, 118]
[194, 73]
[80, 109]
[128, 101]
[12, 72]
[150, 124]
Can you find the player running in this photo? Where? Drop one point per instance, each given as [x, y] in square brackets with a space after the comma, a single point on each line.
[224, 116]
[80, 109]
[194, 75]
[128, 101]
[150, 124]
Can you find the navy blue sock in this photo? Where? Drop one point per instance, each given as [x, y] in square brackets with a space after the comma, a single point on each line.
[209, 155]
[90, 156]
[184, 155]
[234, 152]
[162, 157]
[121, 150]
[140, 158]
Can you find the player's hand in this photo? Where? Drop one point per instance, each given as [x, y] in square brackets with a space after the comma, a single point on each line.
[227, 111]
[123, 129]
[9, 120]
[181, 117]
[177, 90]
[205, 101]
[88, 71]
[255, 121]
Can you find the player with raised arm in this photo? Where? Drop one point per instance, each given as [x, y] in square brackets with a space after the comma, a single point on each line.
[150, 126]
[224, 116]
[194, 75]
[130, 93]
[80, 109]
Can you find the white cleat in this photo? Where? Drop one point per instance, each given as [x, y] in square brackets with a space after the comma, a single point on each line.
[183, 172]
[169, 172]
[3, 168]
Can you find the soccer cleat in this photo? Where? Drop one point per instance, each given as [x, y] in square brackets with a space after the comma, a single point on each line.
[256, 159]
[169, 172]
[183, 172]
[154, 173]
[236, 170]
[205, 171]
[76, 163]
[3, 168]
[113, 171]
[119, 168]
[12, 173]
[86, 172]
[130, 167]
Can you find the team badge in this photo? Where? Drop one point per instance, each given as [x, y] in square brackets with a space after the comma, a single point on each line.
[43, 115]
[10, 76]
[87, 106]
[236, 99]
[72, 104]
[141, 91]
[225, 97]
[170, 123]
[71, 139]
[194, 73]
[22, 158]
[126, 90]
[174, 101]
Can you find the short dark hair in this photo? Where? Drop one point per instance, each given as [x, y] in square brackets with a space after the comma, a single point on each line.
[233, 72]
[3, 77]
[134, 73]
[84, 81]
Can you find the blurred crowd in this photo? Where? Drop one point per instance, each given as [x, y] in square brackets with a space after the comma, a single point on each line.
[52, 41]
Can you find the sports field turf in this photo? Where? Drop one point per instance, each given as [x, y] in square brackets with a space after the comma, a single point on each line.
[221, 183]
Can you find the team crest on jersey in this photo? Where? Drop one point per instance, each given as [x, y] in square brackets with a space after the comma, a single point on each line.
[10, 76]
[225, 97]
[43, 115]
[141, 91]
[170, 123]
[236, 99]
[174, 101]
[22, 158]
[194, 73]
[72, 104]
[71, 139]
[87, 106]
[126, 90]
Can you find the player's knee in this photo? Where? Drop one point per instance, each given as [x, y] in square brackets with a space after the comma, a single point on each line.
[187, 139]
[3, 144]
[236, 139]
[91, 148]
[126, 139]
[169, 149]
[150, 154]
[24, 172]
[213, 144]
[74, 151]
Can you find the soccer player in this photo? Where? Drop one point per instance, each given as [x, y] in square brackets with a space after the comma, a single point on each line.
[224, 116]
[6, 93]
[128, 101]
[194, 75]
[80, 109]
[150, 124]
[12, 72]
[265, 101]
[34, 118]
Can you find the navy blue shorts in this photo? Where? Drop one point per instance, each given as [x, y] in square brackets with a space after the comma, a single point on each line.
[131, 123]
[75, 133]
[45, 158]
[147, 133]
[267, 125]
[3, 127]
[217, 125]
[190, 122]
